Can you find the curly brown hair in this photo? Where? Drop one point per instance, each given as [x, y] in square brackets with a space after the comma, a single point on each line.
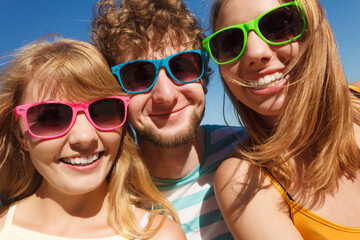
[133, 27]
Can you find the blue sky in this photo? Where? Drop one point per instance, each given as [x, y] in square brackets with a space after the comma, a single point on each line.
[23, 21]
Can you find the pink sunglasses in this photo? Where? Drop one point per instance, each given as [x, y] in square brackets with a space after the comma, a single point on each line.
[53, 119]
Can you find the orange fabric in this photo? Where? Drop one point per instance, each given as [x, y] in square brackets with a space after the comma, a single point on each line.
[312, 226]
[356, 89]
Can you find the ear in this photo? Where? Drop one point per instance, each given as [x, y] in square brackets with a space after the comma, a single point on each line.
[20, 137]
[205, 90]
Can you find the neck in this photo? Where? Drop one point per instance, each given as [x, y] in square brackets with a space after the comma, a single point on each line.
[81, 205]
[174, 163]
[79, 216]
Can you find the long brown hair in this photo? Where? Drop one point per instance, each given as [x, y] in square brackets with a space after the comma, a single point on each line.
[78, 71]
[319, 114]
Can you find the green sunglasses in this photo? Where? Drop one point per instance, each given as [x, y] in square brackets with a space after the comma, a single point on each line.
[278, 26]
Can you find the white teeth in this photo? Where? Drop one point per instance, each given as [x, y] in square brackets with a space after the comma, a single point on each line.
[261, 81]
[267, 81]
[278, 75]
[83, 160]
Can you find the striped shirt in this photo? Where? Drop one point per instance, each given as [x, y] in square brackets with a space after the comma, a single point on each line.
[193, 196]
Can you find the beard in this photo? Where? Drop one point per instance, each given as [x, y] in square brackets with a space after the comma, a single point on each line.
[185, 137]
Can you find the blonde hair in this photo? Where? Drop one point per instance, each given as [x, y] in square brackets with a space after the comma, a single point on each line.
[132, 27]
[78, 71]
[319, 113]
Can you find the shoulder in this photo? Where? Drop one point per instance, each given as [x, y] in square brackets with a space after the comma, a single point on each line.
[168, 230]
[3, 212]
[238, 175]
[236, 168]
[249, 202]
[224, 129]
[238, 183]
[222, 135]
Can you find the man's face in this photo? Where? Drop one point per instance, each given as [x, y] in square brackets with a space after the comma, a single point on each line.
[169, 114]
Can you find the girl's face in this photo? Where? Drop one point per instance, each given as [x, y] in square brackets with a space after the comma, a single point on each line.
[261, 64]
[76, 163]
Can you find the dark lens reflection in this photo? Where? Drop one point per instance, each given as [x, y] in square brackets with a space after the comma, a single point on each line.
[137, 76]
[107, 113]
[49, 119]
[186, 67]
[227, 45]
[282, 24]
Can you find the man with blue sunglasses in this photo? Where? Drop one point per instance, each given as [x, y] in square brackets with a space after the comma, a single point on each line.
[154, 48]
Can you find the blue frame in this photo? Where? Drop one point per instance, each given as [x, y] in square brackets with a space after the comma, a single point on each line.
[158, 63]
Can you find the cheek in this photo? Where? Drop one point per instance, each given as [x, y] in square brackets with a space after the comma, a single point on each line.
[195, 92]
[137, 104]
[111, 140]
[44, 152]
[237, 90]
[231, 74]
[287, 52]
[231, 69]
[134, 113]
[199, 97]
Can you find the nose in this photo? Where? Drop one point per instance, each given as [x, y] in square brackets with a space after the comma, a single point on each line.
[83, 135]
[257, 51]
[164, 91]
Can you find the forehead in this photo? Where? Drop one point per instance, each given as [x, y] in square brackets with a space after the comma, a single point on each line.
[166, 52]
[32, 93]
[172, 45]
[151, 54]
[241, 11]
[52, 88]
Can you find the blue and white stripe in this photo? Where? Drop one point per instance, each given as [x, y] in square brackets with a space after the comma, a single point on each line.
[193, 196]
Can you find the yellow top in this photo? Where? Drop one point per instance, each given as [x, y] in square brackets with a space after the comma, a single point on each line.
[13, 232]
[312, 226]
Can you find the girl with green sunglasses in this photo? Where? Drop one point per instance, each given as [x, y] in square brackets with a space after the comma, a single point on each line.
[297, 176]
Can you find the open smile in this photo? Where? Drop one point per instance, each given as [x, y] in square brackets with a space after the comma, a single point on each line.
[82, 160]
[266, 81]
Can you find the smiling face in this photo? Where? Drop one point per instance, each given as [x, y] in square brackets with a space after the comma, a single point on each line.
[169, 114]
[76, 163]
[261, 65]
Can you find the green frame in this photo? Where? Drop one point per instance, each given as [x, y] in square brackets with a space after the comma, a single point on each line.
[253, 25]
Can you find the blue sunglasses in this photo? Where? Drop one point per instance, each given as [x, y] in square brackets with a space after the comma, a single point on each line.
[140, 75]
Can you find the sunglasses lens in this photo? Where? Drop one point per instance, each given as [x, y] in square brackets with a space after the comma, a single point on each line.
[50, 119]
[186, 67]
[138, 76]
[107, 113]
[282, 24]
[227, 45]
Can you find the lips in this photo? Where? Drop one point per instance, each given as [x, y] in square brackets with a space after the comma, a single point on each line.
[167, 114]
[81, 160]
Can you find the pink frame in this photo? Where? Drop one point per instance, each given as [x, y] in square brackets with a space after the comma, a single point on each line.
[76, 107]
